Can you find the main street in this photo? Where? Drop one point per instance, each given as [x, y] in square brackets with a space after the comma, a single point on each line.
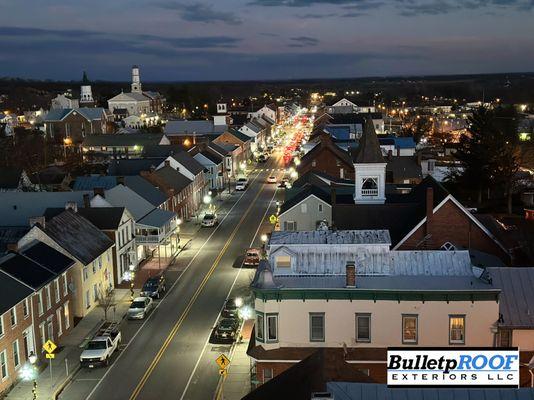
[165, 356]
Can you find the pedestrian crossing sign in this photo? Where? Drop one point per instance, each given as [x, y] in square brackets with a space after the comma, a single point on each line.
[222, 361]
[50, 355]
[273, 219]
[49, 346]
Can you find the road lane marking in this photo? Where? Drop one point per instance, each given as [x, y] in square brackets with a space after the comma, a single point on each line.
[191, 302]
[168, 291]
[227, 296]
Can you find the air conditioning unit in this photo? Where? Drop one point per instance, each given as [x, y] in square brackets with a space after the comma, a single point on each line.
[322, 396]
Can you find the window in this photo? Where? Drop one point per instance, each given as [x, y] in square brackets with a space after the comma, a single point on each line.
[95, 292]
[290, 225]
[317, 327]
[409, 329]
[66, 315]
[272, 327]
[58, 293]
[48, 297]
[314, 163]
[59, 325]
[341, 173]
[363, 327]
[16, 353]
[370, 186]
[283, 261]
[87, 299]
[13, 316]
[304, 208]
[448, 246]
[259, 326]
[3, 365]
[1, 325]
[320, 207]
[26, 308]
[505, 337]
[457, 329]
[85, 274]
[65, 285]
[431, 165]
[40, 302]
[267, 374]
[94, 266]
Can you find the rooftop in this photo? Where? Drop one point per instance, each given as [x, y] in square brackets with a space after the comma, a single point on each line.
[330, 237]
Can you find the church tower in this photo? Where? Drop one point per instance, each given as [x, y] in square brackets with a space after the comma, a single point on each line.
[136, 81]
[86, 94]
[369, 168]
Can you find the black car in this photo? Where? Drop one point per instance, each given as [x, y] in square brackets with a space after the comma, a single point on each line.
[227, 329]
[154, 287]
[230, 309]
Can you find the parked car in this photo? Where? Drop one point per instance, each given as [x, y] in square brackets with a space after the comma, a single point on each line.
[271, 179]
[282, 184]
[252, 258]
[230, 309]
[140, 307]
[154, 287]
[241, 184]
[262, 158]
[209, 220]
[101, 347]
[227, 329]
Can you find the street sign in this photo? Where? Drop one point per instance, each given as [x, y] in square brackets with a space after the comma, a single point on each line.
[222, 361]
[50, 355]
[273, 219]
[49, 346]
[223, 372]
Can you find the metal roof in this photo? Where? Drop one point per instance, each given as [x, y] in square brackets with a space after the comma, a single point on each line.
[330, 237]
[195, 126]
[122, 196]
[13, 292]
[157, 218]
[517, 298]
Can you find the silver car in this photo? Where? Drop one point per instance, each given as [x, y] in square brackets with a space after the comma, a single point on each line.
[140, 307]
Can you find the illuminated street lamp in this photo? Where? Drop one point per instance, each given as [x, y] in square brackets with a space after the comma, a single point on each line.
[294, 175]
[28, 372]
[207, 199]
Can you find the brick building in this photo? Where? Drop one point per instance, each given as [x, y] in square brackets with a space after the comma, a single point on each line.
[70, 126]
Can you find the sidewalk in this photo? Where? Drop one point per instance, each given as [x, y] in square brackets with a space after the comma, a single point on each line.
[67, 360]
[237, 383]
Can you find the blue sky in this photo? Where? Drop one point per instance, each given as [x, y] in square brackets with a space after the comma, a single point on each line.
[263, 39]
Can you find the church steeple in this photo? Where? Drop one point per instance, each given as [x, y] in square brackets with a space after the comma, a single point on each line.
[86, 94]
[136, 80]
[369, 168]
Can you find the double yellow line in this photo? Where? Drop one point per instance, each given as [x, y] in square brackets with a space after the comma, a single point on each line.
[178, 323]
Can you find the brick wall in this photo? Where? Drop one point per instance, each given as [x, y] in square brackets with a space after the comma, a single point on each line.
[450, 224]
[327, 162]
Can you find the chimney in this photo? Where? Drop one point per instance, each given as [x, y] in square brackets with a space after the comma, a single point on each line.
[86, 201]
[429, 207]
[99, 191]
[71, 205]
[120, 180]
[37, 220]
[350, 274]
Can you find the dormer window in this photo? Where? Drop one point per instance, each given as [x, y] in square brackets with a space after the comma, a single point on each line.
[370, 186]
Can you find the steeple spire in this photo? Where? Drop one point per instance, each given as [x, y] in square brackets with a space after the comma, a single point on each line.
[369, 148]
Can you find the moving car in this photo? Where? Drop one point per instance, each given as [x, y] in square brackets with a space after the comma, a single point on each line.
[226, 329]
[209, 220]
[252, 258]
[241, 184]
[101, 347]
[271, 179]
[140, 307]
[154, 287]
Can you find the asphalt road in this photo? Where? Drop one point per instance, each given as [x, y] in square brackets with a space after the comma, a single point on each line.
[167, 356]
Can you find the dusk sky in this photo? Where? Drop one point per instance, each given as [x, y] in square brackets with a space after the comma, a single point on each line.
[263, 39]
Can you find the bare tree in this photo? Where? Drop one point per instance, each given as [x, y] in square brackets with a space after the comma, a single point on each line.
[106, 300]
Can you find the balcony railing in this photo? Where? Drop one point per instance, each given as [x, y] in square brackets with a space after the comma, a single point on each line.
[369, 192]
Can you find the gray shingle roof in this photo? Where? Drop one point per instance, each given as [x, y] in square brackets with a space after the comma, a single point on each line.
[200, 127]
[188, 162]
[129, 139]
[173, 178]
[78, 236]
[145, 189]
[157, 218]
[122, 196]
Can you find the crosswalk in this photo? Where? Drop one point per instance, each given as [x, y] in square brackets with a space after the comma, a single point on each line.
[270, 170]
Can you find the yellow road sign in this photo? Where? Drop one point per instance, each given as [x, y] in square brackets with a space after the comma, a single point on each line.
[49, 346]
[222, 361]
[273, 219]
[50, 355]
[223, 372]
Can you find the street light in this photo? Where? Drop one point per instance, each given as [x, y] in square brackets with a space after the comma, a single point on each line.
[29, 372]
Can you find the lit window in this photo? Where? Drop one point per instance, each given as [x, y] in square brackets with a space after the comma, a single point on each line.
[409, 329]
[283, 261]
[457, 329]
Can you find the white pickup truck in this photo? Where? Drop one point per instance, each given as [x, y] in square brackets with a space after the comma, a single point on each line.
[102, 346]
